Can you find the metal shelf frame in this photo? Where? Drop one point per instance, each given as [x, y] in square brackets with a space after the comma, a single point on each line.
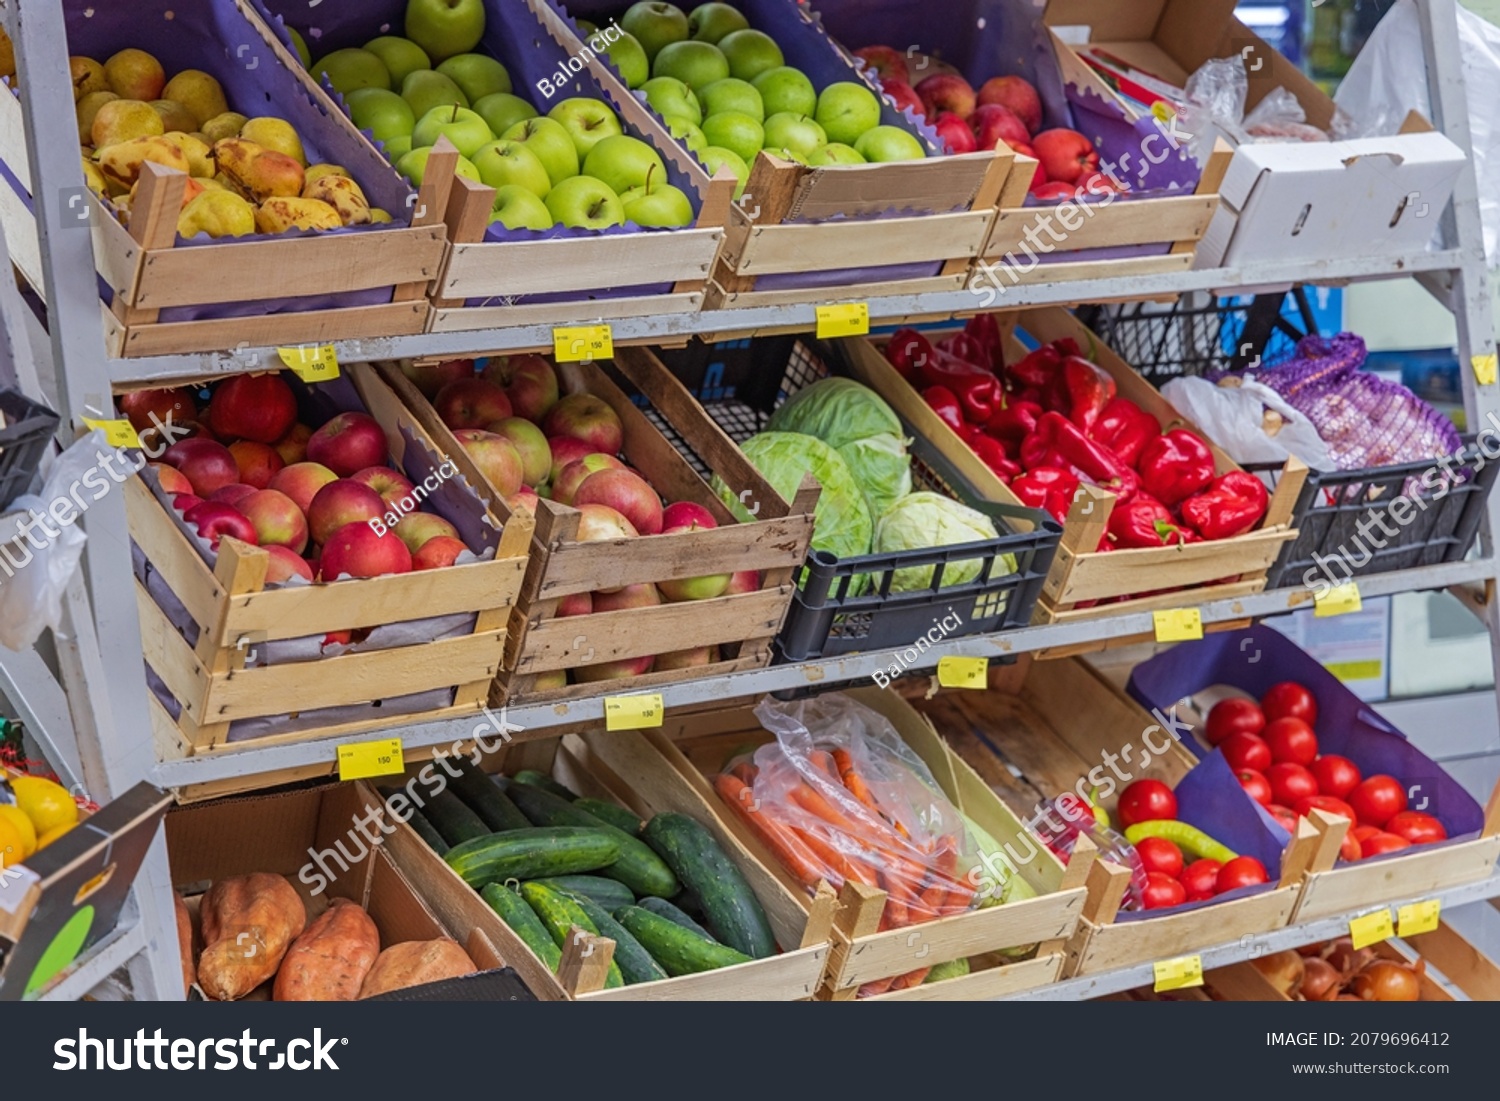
[92, 716]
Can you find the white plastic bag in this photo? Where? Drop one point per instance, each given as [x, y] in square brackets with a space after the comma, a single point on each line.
[1235, 418]
[34, 573]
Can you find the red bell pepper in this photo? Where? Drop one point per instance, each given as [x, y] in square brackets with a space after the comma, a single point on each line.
[907, 351]
[1087, 390]
[1175, 466]
[1014, 421]
[1125, 428]
[991, 452]
[1059, 442]
[967, 348]
[1144, 522]
[1036, 371]
[944, 403]
[1232, 506]
[978, 390]
[984, 330]
[1048, 488]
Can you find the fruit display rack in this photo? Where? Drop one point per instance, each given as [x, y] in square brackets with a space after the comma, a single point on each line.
[94, 725]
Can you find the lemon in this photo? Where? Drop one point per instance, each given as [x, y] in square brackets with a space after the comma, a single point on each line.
[12, 843]
[22, 825]
[45, 802]
[50, 836]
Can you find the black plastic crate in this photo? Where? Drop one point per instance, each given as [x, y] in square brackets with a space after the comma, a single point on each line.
[739, 384]
[28, 429]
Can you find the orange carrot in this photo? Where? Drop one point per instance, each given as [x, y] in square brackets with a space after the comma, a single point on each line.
[879, 986]
[796, 857]
[911, 979]
[745, 771]
[822, 760]
[896, 897]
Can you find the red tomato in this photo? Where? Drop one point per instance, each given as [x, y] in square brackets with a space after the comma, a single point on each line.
[1285, 818]
[1232, 716]
[1364, 833]
[1336, 776]
[1291, 740]
[1160, 855]
[1416, 827]
[1162, 891]
[1246, 751]
[1329, 805]
[1289, 700]
[1200, 879]
[1383, 842]
[1146, 801]
[1290, 784]
[1255, 785]
[1350, 849]
[1378, 800]
[1242, 871]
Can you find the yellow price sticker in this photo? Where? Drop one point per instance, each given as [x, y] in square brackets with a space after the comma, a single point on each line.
[1372, 928]
[118, 433]
[955, 672]
[849, 319]
[1339, 600]
[633, 712]
[583, 343]
[1178, 974]
[1419, 917]
[1486, 369]
[1178, 625]
[311, 362]
[362, 760]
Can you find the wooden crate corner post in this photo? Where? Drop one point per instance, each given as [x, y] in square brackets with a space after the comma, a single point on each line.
[153, 225]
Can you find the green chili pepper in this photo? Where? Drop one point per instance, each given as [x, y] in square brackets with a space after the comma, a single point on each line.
[1189, 839]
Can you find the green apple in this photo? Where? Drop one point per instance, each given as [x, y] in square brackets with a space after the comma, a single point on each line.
[696, 64]
[712, 22]
[427, 89]
[464, 128]
[587, 121]
[798, 133]
[670, 97]
[788, 90]
[655, 25]
[626, 54]
[834, 153]
[846, 110]
[884, 144]
[657, 205]
[685, 132]
[350, 70]
[502, 110]
[585, 203]
[585, 28]
[445, 28]
[518, 208]
[551, 143]
[382, 112]
[730, 94]
[414, 166]
[751, 53]
[738, 133]
[300, 45]
[623, 163]
[396, 148]
[715, 157]
[510, 163]
[402, 56]
[786, 154]
[477, 75]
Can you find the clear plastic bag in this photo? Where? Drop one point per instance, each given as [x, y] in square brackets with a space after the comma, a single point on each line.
[1215, 104]
[39, 568]
[1067, 818]
[1251, 422]
[1279, 117]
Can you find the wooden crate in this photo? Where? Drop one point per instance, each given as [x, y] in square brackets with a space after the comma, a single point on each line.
[1080, 574]
[804, 934]
[235, 611]
[695, 746]
[776, 544]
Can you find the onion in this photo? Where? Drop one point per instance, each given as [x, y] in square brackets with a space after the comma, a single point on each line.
[1283, 970]
[1320, 980]
[1344, 956]
[1387, 981]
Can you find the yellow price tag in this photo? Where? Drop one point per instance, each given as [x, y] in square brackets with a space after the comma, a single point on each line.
[1178, 625]
[633, 712]
[1339, 600]
[583, 343]
[116, 433]
[1371, 929]
[1486, 369]
[1178, 974]
[964, 673]
[362, 760]
[849, 319]
[1419, 917]
[311, 363]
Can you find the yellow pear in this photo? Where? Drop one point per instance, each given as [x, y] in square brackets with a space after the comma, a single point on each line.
[275, 134]
[344, 195]
[380, 217]
[199, 155]
[88, 108]
[121, 162]
[317, 171]
[190, 191]
[124, 120]
[88, 76]
[199, 93]
[94, 178]
[122, 208]
[214, 185]
[256, 172]
[135, 74]
[174, 116]
[281, 214]
[218, 214]
[223, 126]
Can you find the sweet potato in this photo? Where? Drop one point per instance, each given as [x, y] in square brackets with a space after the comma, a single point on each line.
[329, 961]
[414, 963]
[249, 922]
[185, 943]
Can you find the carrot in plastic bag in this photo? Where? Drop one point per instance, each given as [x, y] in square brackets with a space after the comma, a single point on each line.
[795, 856]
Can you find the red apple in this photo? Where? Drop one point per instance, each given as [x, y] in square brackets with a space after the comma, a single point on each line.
[1066, 155]
[252, 407]
[627, 493]
[685, 515]
[1054, 191]
[565, 489]
[946, 92]
[277, 520]
[995, 124]
[524, 500]
[232, 495]
[184, 501]
[529, 381]
[213, 520]
[301, 482]
[471, 403]
[171, 479]
[496, 457]
[955, 133]
[575, 604]
[600, 522]
[258, 462]
[565, 450]
[293, 446]
[348, 443]
[430, 380]
[389, 485]
[356, 550]
[437, 552]
[745, 581]
[286, 565]
[1024, 149]
[340, 504]
[904, 96]
[1017, 94]
[888, 64]
[530, 444]
[546, 682]
[587, 418]
[420, 528]
[614, 670]
[207, 465]
[177, 406]
[692, 588]
[628, 598]
[687, 659]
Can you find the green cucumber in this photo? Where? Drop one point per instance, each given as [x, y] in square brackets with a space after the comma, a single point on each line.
[730, 909]
[516, 912]
[638, 867]
[662, 908]
[636, 964]
[559, 913]
[533, 853]
[451, 818]
[618, 817]
[678, 950]
[609, 893]
[418, 821]
[953, 969]
[532, 778]
[481, 795]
